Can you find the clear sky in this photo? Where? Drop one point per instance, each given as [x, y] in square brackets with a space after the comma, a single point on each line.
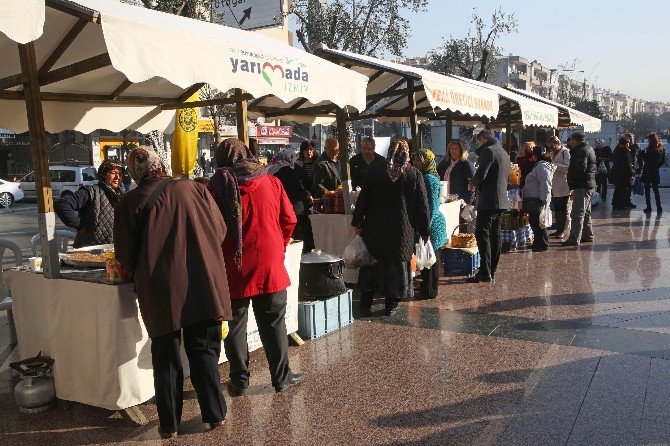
[625, 44]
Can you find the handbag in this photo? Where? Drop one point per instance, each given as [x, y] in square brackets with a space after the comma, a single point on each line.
[638, 187]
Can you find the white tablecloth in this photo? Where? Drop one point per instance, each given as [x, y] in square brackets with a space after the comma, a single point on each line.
[97, 337]
[452, 213]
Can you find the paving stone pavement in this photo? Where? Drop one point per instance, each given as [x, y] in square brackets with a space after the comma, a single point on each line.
[567, 347]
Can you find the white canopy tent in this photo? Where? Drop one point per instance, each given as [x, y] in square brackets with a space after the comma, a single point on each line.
[92, 64]
[523, 111]
[397, 91]
[568, 117]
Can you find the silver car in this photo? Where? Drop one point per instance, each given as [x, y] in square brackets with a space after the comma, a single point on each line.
[64, 180]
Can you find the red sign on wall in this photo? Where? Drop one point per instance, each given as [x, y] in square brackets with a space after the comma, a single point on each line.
[274, 131]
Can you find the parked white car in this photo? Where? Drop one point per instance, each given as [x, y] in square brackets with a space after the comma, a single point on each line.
[10, 193]
[64, 180]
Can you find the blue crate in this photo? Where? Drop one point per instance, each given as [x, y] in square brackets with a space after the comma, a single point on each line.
[320, 317]
[460, 262]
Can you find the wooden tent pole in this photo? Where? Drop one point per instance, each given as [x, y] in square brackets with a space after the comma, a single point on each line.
[242, 120]
[39, 149]
[414, 125]
[508, 127]
[343, 140]
[448, 131]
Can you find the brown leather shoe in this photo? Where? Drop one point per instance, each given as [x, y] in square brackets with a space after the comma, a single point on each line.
[166, 435]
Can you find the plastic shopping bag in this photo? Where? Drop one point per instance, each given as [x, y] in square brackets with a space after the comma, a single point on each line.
[425, 255]
[468, 212]
[356, 254]
[545, 217]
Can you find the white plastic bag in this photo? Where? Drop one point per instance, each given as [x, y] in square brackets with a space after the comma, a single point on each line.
[545, 217]
[425, 255]
[468, 212]
[356, 254]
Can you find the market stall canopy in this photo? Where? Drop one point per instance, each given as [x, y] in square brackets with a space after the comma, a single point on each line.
[568, 117]
[106, 64]
[521, 111]
[435, 94]
[22, 20]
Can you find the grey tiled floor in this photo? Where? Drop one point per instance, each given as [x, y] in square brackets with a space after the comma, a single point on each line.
[568, 347]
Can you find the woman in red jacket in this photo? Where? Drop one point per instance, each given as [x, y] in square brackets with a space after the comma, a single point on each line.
[260, 221]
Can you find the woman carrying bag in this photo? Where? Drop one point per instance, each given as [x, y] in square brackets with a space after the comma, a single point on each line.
[537, 195]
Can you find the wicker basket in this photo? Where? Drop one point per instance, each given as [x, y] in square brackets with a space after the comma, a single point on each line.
[461, 240]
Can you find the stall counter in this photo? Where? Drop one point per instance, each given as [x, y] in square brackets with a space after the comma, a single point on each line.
[96, 336]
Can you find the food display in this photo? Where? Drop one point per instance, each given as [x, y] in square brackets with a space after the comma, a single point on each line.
[463, 240]
[84, 259]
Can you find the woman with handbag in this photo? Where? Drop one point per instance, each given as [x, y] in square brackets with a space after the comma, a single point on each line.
[652, 159]
[621, 175]
[537, 195]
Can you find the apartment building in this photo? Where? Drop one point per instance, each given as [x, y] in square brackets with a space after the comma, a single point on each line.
[524, 75]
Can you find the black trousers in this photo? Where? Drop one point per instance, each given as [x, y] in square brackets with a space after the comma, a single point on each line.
[269, 310]
[487, 234]
[647, 194]
[430, 278]
[389, 278]
[560, 205]
[540, 236]
[202, 343]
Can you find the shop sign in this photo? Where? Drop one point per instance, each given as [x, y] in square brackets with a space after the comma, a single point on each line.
[273, 141]
[274, 131]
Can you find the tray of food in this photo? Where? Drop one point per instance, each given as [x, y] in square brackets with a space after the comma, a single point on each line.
[84, 259]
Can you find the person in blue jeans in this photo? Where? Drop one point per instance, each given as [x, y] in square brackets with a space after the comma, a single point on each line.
[582, 182]
[651, 161]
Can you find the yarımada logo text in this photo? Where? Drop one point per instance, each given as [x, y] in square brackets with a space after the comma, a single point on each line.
[294, 79]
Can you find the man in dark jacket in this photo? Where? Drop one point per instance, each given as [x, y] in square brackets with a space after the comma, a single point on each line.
[490, 182]
[326, 174]
[360, 164]
[90, 210]
[582, 182]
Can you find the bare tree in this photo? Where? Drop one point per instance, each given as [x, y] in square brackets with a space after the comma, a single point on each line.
[473, 56]
[361, 26]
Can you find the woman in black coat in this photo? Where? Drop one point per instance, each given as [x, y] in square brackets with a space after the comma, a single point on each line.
[652, 159]
[621, 175]
[305, 164]
[392, 206]
[282, 166]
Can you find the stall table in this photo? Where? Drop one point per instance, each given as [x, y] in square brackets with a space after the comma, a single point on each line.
[95, 333]
[452, 215]
[332, 233]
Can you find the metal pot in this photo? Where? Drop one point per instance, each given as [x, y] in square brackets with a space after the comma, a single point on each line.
[36, 392]
[321, 275]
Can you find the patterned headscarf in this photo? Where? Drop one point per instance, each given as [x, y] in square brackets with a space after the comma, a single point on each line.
[145, 164]
[236, 165]
[428, 162]
[600, 143]
[285, 157]
[398, 159]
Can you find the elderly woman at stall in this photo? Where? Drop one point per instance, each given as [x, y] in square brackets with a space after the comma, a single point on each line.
[391, 208]
[537, 195]
[622, 175]
[282, 166]
[260, 220]
[90, 210]
[168, 237]
[424, 160]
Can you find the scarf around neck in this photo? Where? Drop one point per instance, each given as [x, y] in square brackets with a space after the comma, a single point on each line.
[398, 160]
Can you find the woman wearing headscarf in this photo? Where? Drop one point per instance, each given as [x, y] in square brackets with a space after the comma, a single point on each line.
[652, 159]
[90, 210]
[537, 195]
[391, 208]
[424, 160]
[168, 236]
[260, 221]
[283, 166]
[621, 175]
